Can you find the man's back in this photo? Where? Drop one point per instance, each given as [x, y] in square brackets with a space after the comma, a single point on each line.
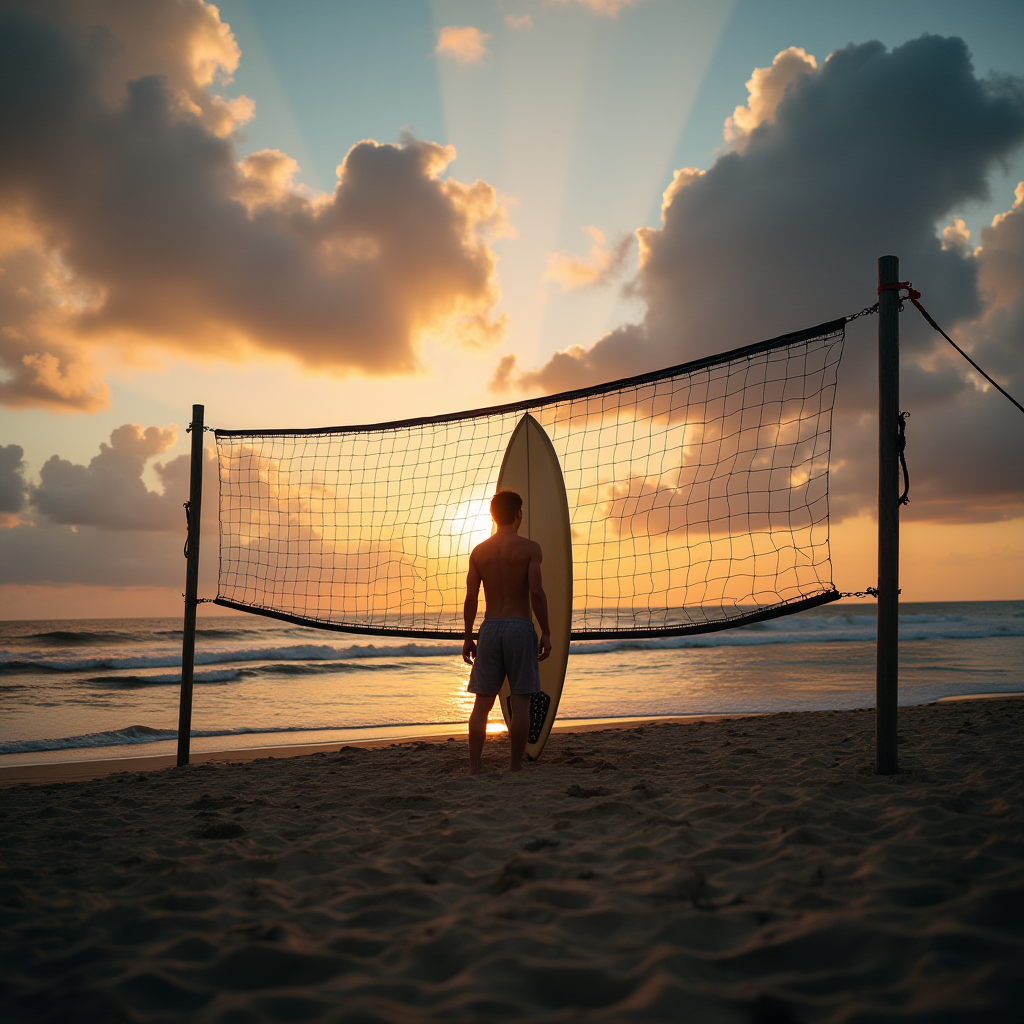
[509, 568]
[503, 563]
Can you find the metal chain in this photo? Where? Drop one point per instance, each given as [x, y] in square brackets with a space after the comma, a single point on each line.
[866, 311]
[870, 592]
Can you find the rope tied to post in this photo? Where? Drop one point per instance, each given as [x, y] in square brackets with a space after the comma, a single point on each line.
[914, 296]
[187, 505]
[901, 447]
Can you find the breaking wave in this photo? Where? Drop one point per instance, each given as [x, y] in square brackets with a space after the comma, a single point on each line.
[140, 734]
[304, 658]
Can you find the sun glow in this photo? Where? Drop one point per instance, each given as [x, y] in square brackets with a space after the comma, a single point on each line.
[471, 521]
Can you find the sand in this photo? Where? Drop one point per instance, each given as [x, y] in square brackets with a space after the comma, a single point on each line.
[747, 870]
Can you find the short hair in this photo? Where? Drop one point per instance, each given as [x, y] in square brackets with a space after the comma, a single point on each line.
[505, 506]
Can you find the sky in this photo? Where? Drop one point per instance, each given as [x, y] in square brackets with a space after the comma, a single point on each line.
[532, 196]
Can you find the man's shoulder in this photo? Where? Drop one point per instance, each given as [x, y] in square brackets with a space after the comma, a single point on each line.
[480, 548]
[531, 545]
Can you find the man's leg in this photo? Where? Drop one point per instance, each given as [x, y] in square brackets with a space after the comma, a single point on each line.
[519, 730]
[478, 730]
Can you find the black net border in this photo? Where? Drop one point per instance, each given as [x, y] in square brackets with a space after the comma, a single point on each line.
[831, 328]
[774, 611]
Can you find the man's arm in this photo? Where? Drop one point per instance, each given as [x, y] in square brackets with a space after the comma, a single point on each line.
[469, 611]
[539, 601]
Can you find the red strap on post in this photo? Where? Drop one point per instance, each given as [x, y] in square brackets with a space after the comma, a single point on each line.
[912, 293]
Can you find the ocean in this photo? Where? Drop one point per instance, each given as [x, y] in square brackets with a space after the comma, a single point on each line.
[83, 689]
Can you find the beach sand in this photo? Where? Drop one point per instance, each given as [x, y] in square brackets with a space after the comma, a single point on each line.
[743, 870]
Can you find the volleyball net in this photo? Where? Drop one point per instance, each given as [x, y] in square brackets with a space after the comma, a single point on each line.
[698, 500]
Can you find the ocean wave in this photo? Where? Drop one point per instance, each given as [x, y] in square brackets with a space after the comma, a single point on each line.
[113, 738]
[134, 682]
[140, 734]
[305, 658]
[75, 637]
[129, 681]
[210, 633]
[105, 637]
[823, 631]
[28, 661]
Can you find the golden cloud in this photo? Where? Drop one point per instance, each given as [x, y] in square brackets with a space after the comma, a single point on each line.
[465, 45]
[601, 265]
[134, 223]
[608, 8]
[766, 87]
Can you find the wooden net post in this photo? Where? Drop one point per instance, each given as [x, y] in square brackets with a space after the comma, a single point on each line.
[887, 637]
[188, 640]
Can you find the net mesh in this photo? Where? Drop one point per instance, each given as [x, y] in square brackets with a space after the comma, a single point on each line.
[698, 499]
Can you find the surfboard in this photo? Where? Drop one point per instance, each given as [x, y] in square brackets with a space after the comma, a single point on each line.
[531, 468]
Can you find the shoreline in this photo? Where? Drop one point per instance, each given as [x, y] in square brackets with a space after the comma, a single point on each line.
[82, 769]
[85, 768]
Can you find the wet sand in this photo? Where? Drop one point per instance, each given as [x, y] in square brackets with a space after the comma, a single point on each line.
[747, 870]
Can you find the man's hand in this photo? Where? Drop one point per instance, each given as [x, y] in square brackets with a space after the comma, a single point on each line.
[545, 646]
[469, 650]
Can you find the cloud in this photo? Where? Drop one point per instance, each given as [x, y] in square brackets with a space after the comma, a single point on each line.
[956, 236]
[110, 493]
[519, 22]
[614, 356]
[767, 86]
[465, 45]
[47, 554]
[599, 267]
[137, 224]
[184, 42]
[13, 489]
[99, 524]
[1002, 255]
[680, 179]
[608, 8]
[784, 231]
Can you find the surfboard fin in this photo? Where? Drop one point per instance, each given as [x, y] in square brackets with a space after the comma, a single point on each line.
[540, 703]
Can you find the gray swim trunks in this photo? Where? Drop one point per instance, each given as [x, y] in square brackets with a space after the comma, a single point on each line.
[505, 647]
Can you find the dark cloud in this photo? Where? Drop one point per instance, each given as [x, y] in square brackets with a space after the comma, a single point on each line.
[46, 554]
[99, 525]
[13, 489]
[59, 555]
[110, 493]
[863, 156]
[184, 42]
[136, 223]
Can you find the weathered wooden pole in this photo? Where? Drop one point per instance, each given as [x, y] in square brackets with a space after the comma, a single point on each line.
[887, 636]
[194, 511]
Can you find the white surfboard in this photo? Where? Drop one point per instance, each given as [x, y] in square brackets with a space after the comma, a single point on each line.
[531, 468]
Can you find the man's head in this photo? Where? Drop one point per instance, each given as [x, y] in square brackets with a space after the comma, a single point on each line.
[505, 506]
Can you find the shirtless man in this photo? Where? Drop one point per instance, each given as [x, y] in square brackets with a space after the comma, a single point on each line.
[509, 568]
